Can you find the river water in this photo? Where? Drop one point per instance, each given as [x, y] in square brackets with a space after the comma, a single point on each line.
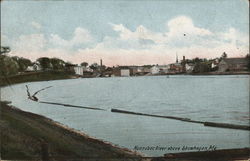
[204, 98]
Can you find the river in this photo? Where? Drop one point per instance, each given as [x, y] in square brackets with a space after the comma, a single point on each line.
[204, 98]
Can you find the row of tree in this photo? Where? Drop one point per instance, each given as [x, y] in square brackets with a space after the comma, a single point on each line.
[14, 65]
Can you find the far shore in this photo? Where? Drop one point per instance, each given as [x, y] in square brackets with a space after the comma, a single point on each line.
[58, 75]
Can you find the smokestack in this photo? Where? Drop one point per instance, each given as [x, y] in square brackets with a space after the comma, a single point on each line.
[184, 64]
[176, 58]
[101, 62]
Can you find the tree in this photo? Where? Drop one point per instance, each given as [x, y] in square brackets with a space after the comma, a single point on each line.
[197, 60]
[8, 66]
[224, 55]
[23, 63]
[85, 64]
[94, 66]
[202, 67]
[57, 64]
[4, 49]
[45, 63]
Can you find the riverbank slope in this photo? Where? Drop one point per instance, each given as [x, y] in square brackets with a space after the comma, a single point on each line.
[36, 76]
[28, 136]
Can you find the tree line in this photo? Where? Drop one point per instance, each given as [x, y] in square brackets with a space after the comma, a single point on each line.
[14, 65]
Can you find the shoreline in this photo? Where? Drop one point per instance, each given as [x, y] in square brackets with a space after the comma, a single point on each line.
[36, 129]
[61, 75]
[35, 77]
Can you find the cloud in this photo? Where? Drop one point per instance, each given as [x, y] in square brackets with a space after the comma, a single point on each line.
[141, 33]
[139, 46]
[36, 25]
[182, 36]
[36, 45]
[32, 42]
[234, 37]
[29, 46]
[184, 25]
[80, 37]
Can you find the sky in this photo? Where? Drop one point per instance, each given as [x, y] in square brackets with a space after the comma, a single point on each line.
[125, 32]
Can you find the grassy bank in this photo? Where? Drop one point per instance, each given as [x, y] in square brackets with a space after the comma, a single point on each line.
[36, 76]
[23, 135]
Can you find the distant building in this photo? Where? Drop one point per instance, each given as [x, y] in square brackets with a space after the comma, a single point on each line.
[155, 69]
[233, 64]
[35, 67]
[189, 67]
[215, 63]
[122, 71]
[29, 69]
[160, 69]
[125, 72]
[142, 70]
[108, 72]
[146, 69]
[135, 70]
[82, 70]
[79, 70]
[176, 68]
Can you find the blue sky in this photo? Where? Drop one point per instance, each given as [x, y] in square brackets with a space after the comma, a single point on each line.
[125, 32]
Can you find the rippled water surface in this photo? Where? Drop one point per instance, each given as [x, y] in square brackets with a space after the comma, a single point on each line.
[205, 98]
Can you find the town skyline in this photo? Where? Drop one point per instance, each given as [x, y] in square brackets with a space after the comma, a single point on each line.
[124, 32]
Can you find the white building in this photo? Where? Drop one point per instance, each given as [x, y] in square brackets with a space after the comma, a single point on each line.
[80, 69]
[125, 72]
[34, 67]
[156, 69]
[37, 67]
[29, 69]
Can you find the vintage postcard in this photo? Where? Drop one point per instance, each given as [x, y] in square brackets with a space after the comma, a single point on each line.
[124, 80]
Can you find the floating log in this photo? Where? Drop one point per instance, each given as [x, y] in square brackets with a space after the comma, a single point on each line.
[151, 115]
[225, 125]
[68, 105]
[212, 124]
